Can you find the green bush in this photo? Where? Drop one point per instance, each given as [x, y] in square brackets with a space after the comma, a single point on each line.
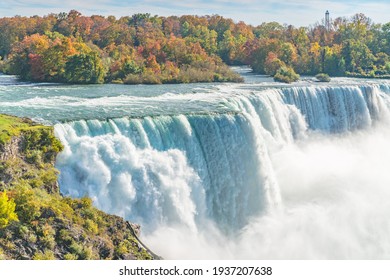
[76, 249]
[70, 257]
[322, 77]
[40, 144]
[150, 78]
[123, 248]
[2, 255]
[133, 79]
[387, 67]
[49, 177]
[199, 72]
[82, 252]
[3, 66]
[34, 157]
[286, 75]
[46, 255]
[48, 241]
[27, 206]
[91, 226]
[271, 66]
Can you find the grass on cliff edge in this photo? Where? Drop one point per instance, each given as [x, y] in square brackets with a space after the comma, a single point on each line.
[49, 225]
[13, 126]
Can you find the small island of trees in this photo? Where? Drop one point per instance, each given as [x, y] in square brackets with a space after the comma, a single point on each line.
[72, 48]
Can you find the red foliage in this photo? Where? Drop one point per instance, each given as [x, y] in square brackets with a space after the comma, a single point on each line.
[37, 68]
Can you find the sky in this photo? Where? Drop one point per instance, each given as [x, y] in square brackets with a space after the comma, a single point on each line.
[255, 12]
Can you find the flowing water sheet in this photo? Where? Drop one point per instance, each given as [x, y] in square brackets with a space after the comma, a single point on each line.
[244, 171]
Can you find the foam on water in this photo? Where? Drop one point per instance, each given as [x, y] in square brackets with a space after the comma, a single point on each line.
[297, 172]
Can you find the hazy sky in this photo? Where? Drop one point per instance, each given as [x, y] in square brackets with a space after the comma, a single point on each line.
[295, 12]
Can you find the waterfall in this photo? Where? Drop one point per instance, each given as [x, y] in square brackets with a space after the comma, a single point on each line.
[195, 170]
[178, 169]
[188, 168]
[338, 109]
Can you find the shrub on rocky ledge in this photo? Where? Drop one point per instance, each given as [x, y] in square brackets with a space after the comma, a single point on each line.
[286, 75]
[322, 77]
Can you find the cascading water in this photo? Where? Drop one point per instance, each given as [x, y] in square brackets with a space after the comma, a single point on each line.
[337, 109]
[170, 170]
[275, 172]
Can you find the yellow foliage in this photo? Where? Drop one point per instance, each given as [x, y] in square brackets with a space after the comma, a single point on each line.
[46, 255]
[7, 210]
[315, 49]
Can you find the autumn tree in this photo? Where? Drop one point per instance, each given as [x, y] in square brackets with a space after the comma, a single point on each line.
[46, 48]
[272, 64]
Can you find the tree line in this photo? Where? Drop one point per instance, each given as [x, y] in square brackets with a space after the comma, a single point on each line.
[71, 47]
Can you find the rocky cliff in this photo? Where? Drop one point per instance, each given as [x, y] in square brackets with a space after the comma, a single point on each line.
[38, 222]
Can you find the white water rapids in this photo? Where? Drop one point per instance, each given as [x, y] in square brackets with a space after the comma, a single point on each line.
[292, 173]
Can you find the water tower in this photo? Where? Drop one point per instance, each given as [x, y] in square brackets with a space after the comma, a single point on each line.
[327, 21]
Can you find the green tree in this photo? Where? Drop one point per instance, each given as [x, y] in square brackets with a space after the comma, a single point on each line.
[288, 53]
[272, 30]
[227, 47]
[259, 56]
[84, 68]
[12, 30]
[358, 56]
[385, 38]
[348, 55]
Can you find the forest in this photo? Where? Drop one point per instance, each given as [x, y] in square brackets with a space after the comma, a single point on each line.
[73, 48]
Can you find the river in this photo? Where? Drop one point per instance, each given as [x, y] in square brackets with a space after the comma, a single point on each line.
[258, 170]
